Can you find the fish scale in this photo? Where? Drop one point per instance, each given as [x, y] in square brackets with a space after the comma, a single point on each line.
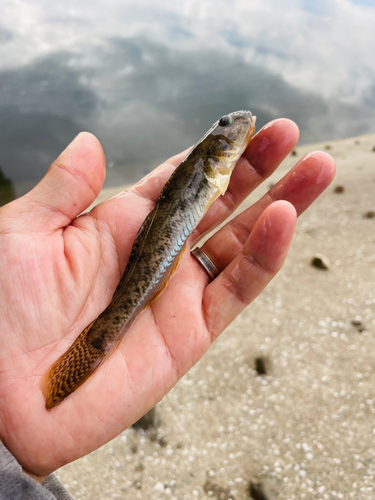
[192, 188]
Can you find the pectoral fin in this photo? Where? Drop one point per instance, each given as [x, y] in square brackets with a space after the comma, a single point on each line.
[218, 175]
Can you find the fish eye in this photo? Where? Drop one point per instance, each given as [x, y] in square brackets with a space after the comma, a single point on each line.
[225, 120]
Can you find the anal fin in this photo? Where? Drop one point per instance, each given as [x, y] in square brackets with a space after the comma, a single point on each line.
[167, 277]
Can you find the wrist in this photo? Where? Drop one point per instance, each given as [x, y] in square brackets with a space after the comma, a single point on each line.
[39, 479]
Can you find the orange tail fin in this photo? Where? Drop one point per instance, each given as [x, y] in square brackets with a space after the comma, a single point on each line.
[71, 370]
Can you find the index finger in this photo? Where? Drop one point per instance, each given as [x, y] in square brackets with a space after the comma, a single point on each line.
[268, 148]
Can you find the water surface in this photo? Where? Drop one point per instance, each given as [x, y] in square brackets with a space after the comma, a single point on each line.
[148, 79]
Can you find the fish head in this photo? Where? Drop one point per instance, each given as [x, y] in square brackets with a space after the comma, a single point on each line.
[225, 142]
[237, 127]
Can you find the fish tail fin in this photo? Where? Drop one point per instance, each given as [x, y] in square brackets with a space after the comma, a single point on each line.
[71, 370]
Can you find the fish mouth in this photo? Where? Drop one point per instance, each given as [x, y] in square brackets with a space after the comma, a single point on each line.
[252, 118]
[249, 114]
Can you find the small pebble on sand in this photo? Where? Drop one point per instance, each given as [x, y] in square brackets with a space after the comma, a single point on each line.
[257, 491]
[357, 322]
[339, 189]
[139, 468]
[262, 365]
[369, 215]
[320, 261]
[294, 152]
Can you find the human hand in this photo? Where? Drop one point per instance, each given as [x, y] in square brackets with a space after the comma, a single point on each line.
[59, 272]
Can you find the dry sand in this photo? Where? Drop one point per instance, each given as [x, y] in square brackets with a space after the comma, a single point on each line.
[304, 430]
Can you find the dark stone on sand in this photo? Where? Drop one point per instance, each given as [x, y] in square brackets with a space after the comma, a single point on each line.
[162, 442]
[257, 492]
[216, 491]
[147, 421]
[328, 146]
[320, 261]
[339, 189]
[262, 365]
[373, 149]
[359, 325]
[155, 437]
[369, 215]
[294, 152]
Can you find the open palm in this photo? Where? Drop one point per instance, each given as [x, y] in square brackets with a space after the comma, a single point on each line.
[59, 271]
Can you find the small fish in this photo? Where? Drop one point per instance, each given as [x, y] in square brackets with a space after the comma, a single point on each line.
[157, 249]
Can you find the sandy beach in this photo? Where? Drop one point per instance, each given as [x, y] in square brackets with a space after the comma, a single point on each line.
[283, 404]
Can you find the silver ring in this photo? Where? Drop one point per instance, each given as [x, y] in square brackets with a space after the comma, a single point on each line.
[206, 262]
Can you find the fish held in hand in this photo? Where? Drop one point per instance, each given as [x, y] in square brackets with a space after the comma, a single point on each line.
[157, 249]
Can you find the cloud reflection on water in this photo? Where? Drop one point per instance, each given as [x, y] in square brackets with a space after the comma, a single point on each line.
[149, 80]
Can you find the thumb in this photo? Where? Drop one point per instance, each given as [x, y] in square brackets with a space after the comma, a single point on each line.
[70, 185]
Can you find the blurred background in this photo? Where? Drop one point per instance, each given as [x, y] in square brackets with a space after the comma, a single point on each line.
[148, 78]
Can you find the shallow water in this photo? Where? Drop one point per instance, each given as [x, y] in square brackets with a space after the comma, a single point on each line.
[149, 79]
